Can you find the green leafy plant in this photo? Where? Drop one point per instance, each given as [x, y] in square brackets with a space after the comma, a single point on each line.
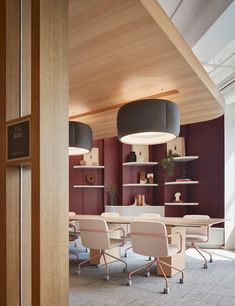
[168, 163]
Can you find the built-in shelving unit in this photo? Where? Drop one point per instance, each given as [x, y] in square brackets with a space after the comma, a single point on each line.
[88, 167]
[181, 204]
[139, 185]
[182, 183]
[183, 159]
[88, 186]
[140, 164]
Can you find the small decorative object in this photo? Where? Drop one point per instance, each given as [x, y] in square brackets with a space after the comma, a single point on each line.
[94, 164]
[139, 200]
[90, 179]
[92, 157]
[150, 178]
[168, 163]
[142, 152]
[132, 157]
[82, 162]
[177, 198]
[142, 177]
[142, 200]
[176, 146]
[112, 189]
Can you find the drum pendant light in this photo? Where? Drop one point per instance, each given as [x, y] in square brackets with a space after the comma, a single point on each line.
[148, 122]
[80, 138]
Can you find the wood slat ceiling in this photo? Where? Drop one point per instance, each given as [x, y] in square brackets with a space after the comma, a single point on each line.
[122, 51]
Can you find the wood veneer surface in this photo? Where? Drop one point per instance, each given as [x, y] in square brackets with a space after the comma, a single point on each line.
[122, 51]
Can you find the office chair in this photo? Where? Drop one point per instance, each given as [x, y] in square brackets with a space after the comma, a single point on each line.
[96, 235]
[150, 238]
[195, 235]
[144, 215]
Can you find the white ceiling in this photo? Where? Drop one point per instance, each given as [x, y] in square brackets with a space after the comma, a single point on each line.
[208, 27]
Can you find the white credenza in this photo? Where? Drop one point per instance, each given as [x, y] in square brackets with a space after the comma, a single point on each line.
[133, 210]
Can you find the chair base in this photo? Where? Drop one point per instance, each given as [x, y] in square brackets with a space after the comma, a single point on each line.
[75, 254]
[103, 254]
[199, 250]
[159, 263]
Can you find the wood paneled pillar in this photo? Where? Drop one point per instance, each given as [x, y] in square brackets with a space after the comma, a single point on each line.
[34, 199]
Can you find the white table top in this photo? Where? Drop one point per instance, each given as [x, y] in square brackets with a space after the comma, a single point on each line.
[176, 221]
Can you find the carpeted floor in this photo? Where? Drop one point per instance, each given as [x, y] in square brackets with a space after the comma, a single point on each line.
[214, 286]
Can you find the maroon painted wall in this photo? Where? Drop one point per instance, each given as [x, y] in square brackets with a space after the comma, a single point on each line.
[207, 140]
[203, 139]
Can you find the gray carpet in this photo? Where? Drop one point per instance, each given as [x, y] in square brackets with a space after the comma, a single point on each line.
[214, 286]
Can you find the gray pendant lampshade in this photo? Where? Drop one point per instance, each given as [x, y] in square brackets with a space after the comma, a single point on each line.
[151, 121]
[80, 138]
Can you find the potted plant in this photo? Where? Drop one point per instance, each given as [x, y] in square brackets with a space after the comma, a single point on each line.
[112, 189]
[168, 163]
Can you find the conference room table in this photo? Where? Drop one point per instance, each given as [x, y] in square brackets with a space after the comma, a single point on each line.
[173, 225]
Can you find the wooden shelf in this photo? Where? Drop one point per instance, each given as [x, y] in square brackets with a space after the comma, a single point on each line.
[140, 164]
[182, 183]
[183, 159]
[88, 186]
[181, 204]
[139, 185]
[88, 167]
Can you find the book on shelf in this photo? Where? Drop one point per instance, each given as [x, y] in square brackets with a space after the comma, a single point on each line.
[183, 180]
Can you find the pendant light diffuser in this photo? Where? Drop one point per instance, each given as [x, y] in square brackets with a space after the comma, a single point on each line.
[80, 138]
[148, 122]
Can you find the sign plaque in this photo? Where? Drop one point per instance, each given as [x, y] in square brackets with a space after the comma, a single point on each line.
[18, 140]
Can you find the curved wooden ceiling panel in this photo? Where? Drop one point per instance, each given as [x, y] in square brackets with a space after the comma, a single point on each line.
[122, 51]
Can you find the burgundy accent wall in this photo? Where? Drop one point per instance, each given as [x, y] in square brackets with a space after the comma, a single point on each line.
[131, 175]
[84, 200]
[204, 139]
[207, 140]
[112, 171]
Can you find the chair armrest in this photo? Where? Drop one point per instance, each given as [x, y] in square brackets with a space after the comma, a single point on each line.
[119, 229]
[181, 239]
[75, 232]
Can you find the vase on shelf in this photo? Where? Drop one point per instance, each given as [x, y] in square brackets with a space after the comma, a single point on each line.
[112, 189]
[132, 157]
[111, 199]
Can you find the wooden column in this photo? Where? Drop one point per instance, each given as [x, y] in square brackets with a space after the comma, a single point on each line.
[34, 199]
[3, 152]
[49, 153]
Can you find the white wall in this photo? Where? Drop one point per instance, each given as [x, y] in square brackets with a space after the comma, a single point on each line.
[230, 176]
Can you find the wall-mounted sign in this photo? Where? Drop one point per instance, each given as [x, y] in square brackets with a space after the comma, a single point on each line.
[18, 140]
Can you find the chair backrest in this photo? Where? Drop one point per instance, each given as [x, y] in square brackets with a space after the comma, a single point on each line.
[110, 214]
[202, 231]
[94, 233]
[145, 215]
[149, 238]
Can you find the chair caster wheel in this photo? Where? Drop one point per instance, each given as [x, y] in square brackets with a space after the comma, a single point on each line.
[211, 260]
[147, 274]
[106, 277]
[166, 290]
[124, 270]
[205, 266]
[78, 272]
[129, 283]
[181, 280]
[125, 255]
